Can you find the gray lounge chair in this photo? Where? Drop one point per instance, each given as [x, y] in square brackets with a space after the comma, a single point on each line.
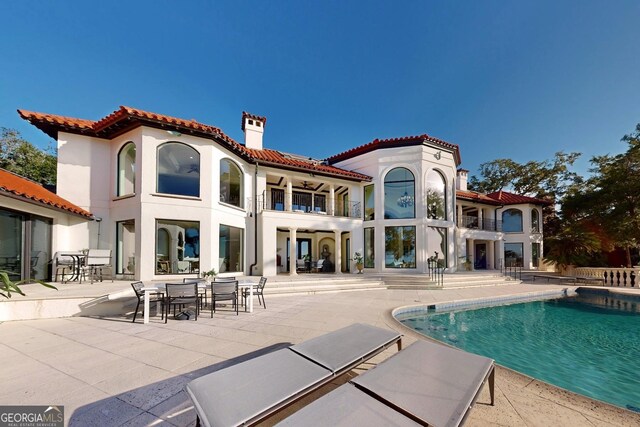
[250, 391]
[425, 384]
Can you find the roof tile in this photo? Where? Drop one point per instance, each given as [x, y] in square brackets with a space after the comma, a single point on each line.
[27, 189]
[109, 126]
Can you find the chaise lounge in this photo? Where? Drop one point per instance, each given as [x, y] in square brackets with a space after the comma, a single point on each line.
[425, 384]
[250, 391]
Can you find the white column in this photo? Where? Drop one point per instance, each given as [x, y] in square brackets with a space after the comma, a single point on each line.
[480, 219]
[338, 250]
[491, 265]
[500, 254]
[293, 251]
[459, 216]
[332, 200]
[471, 252]
[288, 196]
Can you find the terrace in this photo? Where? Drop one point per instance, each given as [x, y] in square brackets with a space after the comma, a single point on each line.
[106, 370]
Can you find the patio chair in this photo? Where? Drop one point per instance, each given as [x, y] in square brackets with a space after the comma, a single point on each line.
[181, 295]
[248, 392]
[96, 262]
[259, 291]
[427, 383]
[224, 291]
[156, 297]
[202, 292]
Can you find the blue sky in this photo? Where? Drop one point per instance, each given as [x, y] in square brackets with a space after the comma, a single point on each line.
[509, 79]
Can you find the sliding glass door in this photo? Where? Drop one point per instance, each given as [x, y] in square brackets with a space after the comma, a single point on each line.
[25, 245]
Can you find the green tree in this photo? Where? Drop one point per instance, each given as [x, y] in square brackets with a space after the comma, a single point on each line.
[545, 179]
[19, 156]
[610, 198]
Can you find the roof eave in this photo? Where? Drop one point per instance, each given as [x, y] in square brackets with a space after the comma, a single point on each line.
[45, 205]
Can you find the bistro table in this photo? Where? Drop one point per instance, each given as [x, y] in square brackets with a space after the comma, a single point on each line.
[161, 287]
[78, 261]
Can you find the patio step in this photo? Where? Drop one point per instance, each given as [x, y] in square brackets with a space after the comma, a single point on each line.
[322, 285]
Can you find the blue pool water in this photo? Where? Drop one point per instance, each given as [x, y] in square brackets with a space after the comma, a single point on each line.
[589, 344]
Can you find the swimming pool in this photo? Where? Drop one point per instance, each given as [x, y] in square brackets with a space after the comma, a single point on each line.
[588, 343]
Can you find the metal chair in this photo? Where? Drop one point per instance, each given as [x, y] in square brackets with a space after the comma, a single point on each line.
[181, 294]
[64, 265]
[201, 294]
[96, 261]
[224, 291]
[259, 291]
[157, 297]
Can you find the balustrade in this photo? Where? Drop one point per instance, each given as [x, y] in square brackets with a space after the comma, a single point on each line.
[309, 203]
[474, 222]
[618, 277]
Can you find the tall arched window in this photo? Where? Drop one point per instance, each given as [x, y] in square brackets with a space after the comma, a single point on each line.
[178, 170]
[535, 220]
[436, 195]
[127, 169]
[231, 188]
[399, 194]
[512, 221]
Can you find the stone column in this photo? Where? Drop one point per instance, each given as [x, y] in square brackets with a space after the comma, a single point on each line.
[338, 250]
[293, 251]
[491, 265]
[458, 219]
[288, 196]
[332, 200]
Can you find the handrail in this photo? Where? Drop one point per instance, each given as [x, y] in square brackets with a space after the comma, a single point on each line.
[436, 271]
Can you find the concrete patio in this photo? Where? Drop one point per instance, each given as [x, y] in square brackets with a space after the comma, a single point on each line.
[107, 371]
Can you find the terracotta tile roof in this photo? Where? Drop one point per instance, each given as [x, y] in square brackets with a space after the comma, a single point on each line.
[506, 198]
[246, 115]
[266, 156]
[476, 197]
[15, 185]
[127, 118]
[396, 142]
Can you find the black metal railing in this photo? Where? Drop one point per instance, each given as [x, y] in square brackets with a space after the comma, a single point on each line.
[435, 268]
[511, 269]
[474, 222]
[301, 202]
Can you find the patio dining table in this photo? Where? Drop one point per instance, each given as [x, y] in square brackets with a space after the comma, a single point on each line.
[78, 261]
[150, 288]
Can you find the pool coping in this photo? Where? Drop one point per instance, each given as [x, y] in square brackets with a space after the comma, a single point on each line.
[577, 399]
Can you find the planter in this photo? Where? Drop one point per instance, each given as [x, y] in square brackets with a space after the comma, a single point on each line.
[359, 267]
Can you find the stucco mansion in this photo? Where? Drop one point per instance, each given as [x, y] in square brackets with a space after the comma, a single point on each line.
[173, 197]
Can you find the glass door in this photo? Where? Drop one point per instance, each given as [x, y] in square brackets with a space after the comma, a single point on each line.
[126, 248]
[11, 244]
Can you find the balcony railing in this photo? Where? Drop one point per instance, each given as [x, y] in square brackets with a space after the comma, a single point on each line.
[474, 222]
[308, 203]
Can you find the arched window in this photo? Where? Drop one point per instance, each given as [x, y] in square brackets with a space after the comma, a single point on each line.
[127, 169]
[512, 221]
[178, 170]
[399, 194]
[231, 188]
[436, 195]
[535, 221]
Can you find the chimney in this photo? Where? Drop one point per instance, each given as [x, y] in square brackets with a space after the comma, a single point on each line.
[253, 127]
[461, 182]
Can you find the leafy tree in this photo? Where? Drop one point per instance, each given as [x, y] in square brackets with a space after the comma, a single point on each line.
[610, 198]
[545, 179]
[19, 156]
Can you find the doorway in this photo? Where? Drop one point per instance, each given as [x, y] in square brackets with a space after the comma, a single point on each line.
[481, 256]
[303, 249]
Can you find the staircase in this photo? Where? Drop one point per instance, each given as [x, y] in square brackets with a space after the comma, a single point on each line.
[316, 284]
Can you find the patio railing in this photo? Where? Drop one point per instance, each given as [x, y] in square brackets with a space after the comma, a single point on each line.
[474, 222]
[307, 203]
[619, 277]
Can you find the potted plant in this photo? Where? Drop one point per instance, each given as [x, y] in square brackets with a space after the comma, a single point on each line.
[359, 260]
[467, 263]
[209, 275]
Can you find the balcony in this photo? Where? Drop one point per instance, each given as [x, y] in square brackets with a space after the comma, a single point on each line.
[308, 203]
[473, 222]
